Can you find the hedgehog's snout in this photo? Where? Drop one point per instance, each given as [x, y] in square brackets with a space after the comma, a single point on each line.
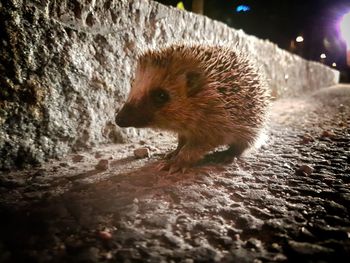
[122, 117]
[133, 116]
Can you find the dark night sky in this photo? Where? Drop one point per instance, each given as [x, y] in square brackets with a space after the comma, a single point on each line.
[281, 21]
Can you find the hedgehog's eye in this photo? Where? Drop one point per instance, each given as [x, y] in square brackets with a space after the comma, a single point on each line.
[159, 97]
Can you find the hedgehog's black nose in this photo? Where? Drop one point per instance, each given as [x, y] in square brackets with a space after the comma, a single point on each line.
[133, 116]
[121, 119]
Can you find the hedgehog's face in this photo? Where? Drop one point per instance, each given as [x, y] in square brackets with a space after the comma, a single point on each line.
[157, 99]
[141, 113]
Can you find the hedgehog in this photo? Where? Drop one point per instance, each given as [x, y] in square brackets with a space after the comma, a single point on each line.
[209, 95]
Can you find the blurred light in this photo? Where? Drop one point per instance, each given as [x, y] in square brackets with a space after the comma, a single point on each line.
[299, 39]
[180, 5]
[345, 28]
[292, 45]
[334, 64]
[326, 43]
[323, 55]
[345, 33]
[242, 8]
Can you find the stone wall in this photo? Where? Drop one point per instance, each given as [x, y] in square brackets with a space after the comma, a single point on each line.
[65, 68]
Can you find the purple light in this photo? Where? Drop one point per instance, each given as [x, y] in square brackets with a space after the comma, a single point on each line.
[345, 28]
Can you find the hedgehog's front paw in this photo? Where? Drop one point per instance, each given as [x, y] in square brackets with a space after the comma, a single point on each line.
[175, 167]
[162, 166]
[172, 166]
[187, 157]
[171, 154]
[184, 160]
[175, 152]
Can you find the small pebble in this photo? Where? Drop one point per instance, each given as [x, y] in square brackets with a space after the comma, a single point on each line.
[327, 134]
[102, 165]
[140, 153]
[307, 138]
[61, 247]
[63, 164]
[105, 235]
[280, 258]
[287, 165]
[305, 169]
[275, 247]
[253, 243]
[236, 237]
[108, 255]
[98, 155]
[77, 158]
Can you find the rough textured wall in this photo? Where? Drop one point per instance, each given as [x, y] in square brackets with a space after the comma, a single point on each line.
[65, 68]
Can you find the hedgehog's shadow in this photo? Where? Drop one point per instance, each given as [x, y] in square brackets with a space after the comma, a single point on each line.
[220, 156]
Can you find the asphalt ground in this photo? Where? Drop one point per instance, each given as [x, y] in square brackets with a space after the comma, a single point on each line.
[288, 201]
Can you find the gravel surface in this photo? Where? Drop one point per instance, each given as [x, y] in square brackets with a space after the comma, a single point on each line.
[287, 202]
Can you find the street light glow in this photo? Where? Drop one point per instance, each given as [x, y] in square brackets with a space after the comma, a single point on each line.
[345, 33]
[299, 39]
[345, 28]
[323, 56]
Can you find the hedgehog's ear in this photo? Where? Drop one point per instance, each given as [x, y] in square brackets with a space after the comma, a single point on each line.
[194, 81]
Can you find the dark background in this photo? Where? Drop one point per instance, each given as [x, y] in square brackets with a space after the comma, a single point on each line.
[281, 21]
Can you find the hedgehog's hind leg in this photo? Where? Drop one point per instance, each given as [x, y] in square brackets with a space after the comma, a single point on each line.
[235, 150]
[180, 144]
